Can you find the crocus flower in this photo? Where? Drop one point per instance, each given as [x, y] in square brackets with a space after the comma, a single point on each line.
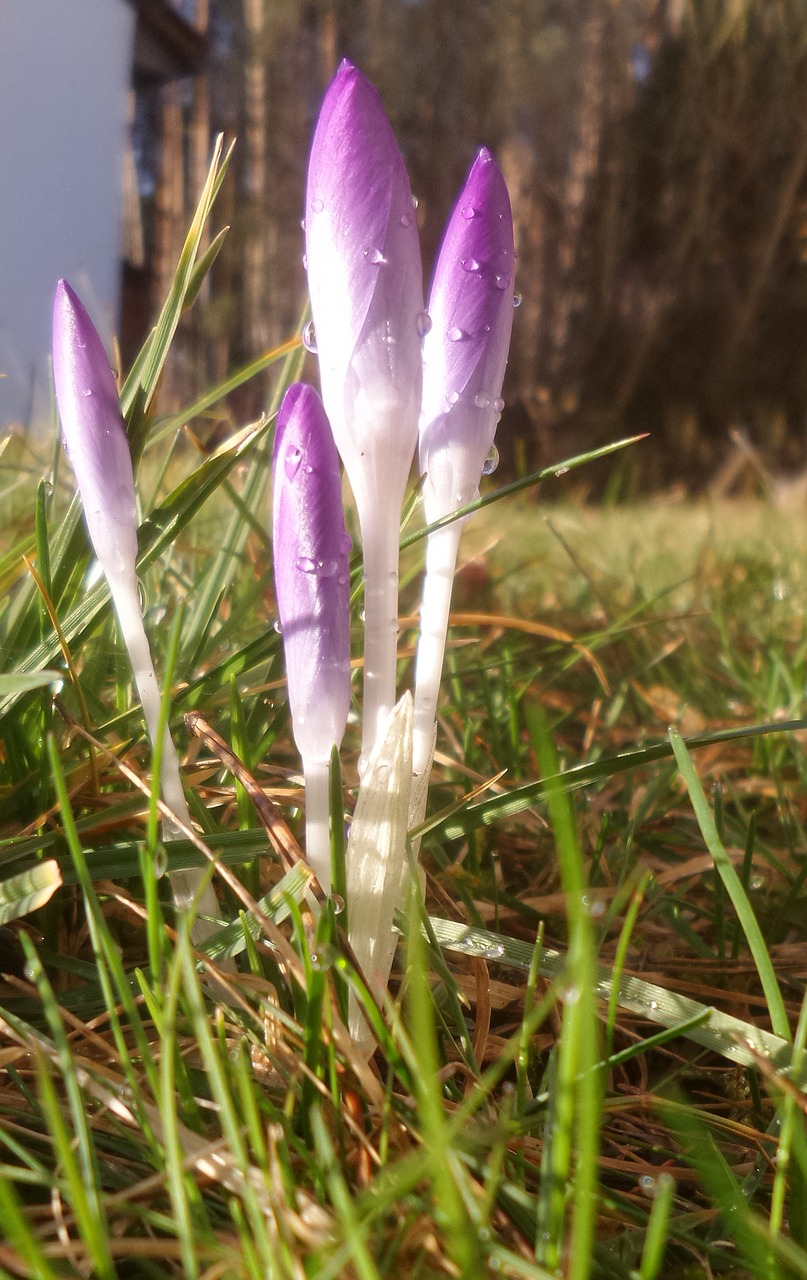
[364, 277]
[96, 441]
[312, 583]
[464, 359]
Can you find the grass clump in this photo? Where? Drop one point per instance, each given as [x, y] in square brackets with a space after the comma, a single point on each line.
[590, 1062]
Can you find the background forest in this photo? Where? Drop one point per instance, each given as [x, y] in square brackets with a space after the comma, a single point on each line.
[656, 154]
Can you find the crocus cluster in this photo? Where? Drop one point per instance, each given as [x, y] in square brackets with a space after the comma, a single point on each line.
[96, 441]
[394, 377]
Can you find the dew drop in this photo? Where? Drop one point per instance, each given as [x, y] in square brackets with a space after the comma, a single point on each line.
[306, 565]
[345, 544]
[424, 323]
[415, 202]
[292, 464]
[570, 994]
[310, 338]
[654, 1004]
[317, 205]
[276, 626]
[501, 281]
[302, 224]
[647, 1185]
[469, 212]
[562, 471]
[338, 904]
[498, 404]
[482, 400]
[493, 952]
[452, 399]
[406, 219]
[455, 334]
[160, 862]
[470, 264]
[305, 262]
[88, 392]
[375, 257]
[516, 299]
[327, 568]
[491, 461]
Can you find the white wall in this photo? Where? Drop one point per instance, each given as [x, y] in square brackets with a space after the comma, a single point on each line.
[65, 67]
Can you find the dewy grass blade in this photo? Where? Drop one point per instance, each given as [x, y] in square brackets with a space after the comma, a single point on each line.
[516, 801]
[29, 890]
[577, 1101]
[655, 1241]
[734, 887]
[739, 1042]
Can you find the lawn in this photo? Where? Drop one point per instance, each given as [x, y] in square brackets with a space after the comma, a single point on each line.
[591, 1059]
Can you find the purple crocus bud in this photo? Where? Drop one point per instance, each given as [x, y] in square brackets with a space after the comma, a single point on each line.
[465, 351]
[365, 281]
[312, 576]
[312, 584]
[94, 433]
[95, 436]
[464, 358]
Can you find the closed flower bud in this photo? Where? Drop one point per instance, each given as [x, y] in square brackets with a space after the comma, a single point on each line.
[312, 582]
[365, 281]
[94, 433]
[465, 351]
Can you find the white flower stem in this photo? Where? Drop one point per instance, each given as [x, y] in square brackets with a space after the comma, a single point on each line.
[184, 884]
[380, 535]
[317, 820]
[441, 561]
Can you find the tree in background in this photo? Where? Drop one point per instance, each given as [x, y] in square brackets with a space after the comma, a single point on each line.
[656, 155]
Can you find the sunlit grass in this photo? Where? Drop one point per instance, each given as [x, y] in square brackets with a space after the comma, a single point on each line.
[586, 1065]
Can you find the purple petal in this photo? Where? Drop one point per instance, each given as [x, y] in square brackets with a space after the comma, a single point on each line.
[312, 579]
[365, 280]
[94, 432]
[465, 351]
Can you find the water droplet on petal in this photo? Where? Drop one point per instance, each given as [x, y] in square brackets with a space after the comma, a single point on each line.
[455, 334]
[406, 220]
[469, 212]
[310, 338]
[306, 565]
[491, 461]
[375, 257]
[88, 392]
[482, 400]
[277, 627]
[305, 262]
[317, 205]
[424, 323]
[415, 202]
[501, 281]
[516, 299]
[470, 264]
[345, 544]
[292, 463]
[498, 404]
[452, 399]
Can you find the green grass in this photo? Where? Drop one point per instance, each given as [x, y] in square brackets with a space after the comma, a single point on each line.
[591, 1059]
